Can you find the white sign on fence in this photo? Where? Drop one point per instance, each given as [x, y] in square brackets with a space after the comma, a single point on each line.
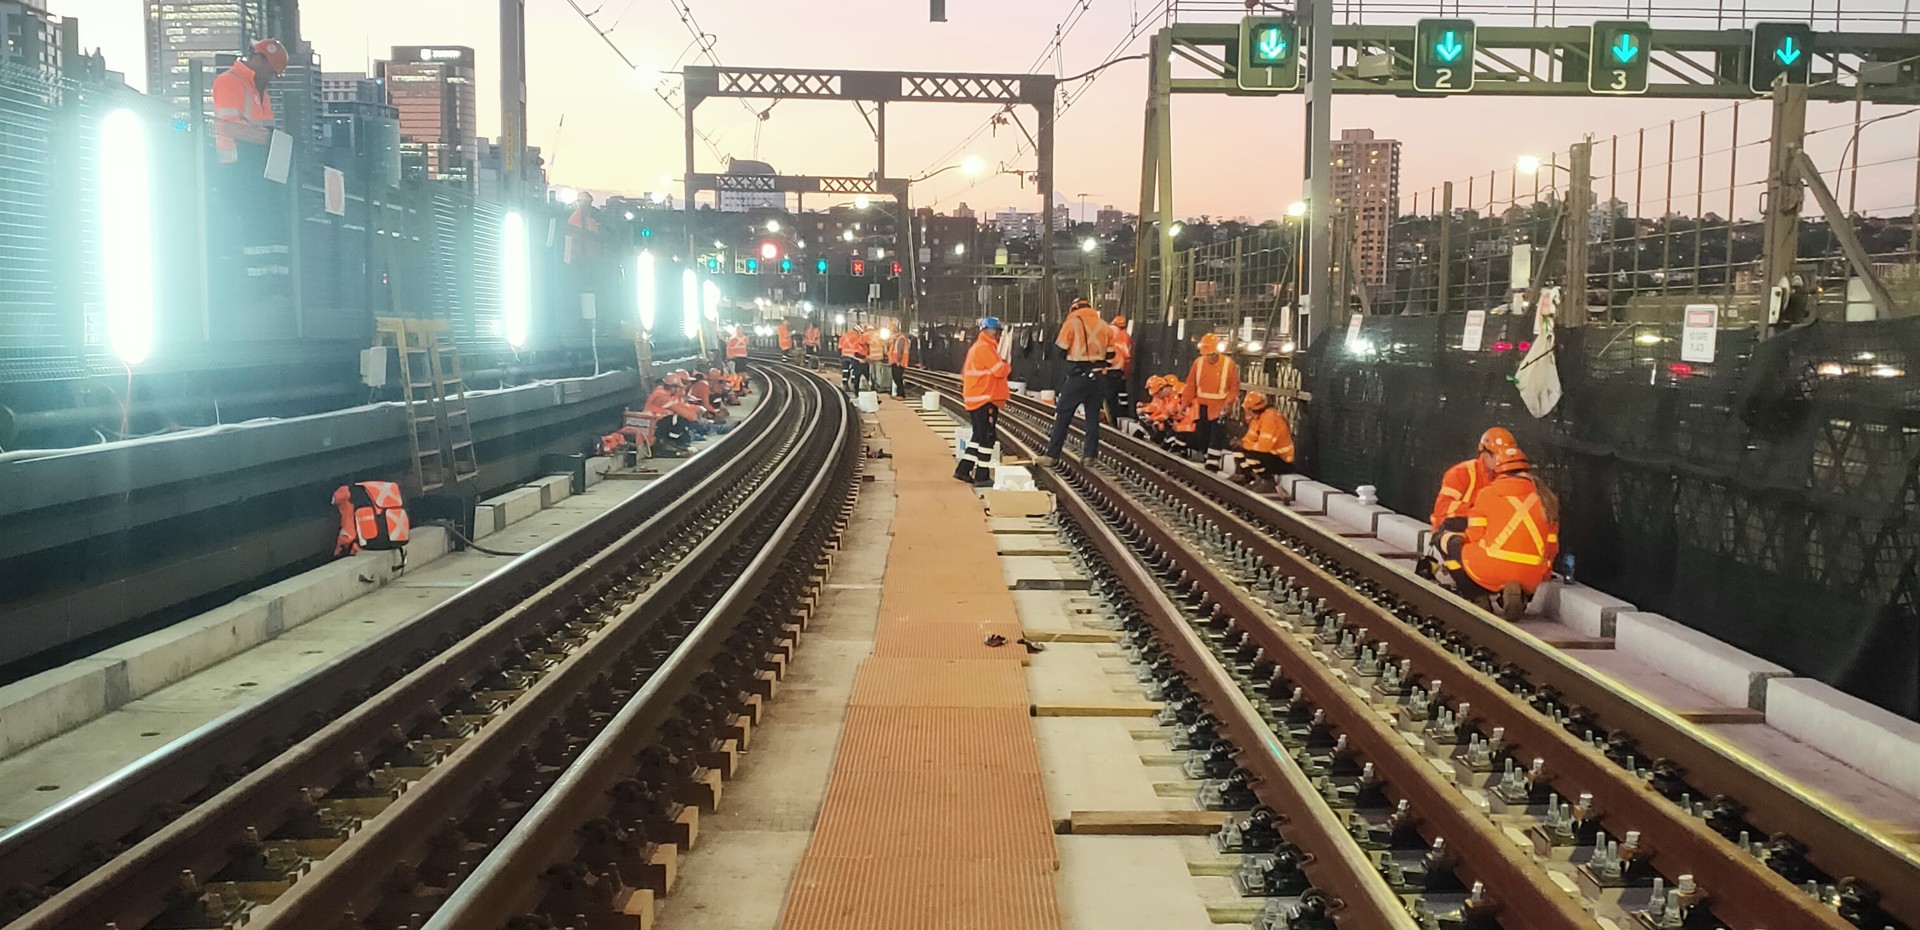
[1475, 331]
[1697, 336]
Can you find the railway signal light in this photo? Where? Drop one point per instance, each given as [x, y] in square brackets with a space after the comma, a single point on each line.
[820, 266]
[713, 264]
[857, 267]
[1443, 56]
[893, 270]
[1780, 49]
[786, 266]
[1617, 57]
[1269, 54]
[753, 265]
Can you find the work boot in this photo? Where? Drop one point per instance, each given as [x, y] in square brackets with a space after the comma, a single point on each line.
[1045, 461]
[1262, 485]
[963, 472]
[983, 478]
[1242, 478]
[1511, 602]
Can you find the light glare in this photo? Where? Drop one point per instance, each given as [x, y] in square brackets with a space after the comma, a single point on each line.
[690, 304]
[515, 318]
[126, 243]
[647, 294]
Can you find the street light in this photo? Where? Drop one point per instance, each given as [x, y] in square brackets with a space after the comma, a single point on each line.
[1297, 209]
[773, 226]
[1089, 244]
[861, 202]
[960, 248]
[846, 235]
[1176, 229]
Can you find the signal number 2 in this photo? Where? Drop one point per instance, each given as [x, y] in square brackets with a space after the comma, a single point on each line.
[1443, 78]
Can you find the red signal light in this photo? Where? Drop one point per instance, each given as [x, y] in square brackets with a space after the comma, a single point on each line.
[895, 270]
[856, 267]
[769, 250]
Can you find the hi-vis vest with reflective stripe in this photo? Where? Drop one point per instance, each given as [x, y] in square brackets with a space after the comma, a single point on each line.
[786, 338]
[1268, 432]
[1084, 336]
[737, 345]
[1121, 348]
[900, 351]
[372, 516]
[240, 111]
[1214, 380]
[1457, 490]
[983, 380]
[1509, 537]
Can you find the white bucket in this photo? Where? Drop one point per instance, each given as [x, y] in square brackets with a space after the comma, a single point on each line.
[1046, 397]
[1017, 387]
[930, 401]
[868, 402]
[1012, 478]
[961, 437]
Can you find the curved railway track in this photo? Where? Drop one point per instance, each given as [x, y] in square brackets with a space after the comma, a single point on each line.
[1418, 749]
[526, 745]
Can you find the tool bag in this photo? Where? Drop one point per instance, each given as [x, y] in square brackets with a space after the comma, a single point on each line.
[372, 516]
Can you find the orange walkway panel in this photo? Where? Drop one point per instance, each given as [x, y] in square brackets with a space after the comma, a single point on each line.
[935, 816]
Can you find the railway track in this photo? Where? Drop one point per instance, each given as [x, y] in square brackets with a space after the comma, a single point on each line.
[524, 749]
[1428, 764]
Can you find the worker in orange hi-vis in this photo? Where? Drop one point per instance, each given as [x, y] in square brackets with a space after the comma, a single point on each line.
[242, 111]
[1267, 444]
[1213, 386]
[812, 340]
[785, 334]
[899, 356]
[1119, 374]
[736, 349]
[1085, 338]
[879, 374]
[983, 391]
[1463, 481]
[1511, 537]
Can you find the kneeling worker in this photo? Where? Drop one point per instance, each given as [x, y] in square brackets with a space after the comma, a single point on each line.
[983, 390]
[1267, 444]
[1512, 534]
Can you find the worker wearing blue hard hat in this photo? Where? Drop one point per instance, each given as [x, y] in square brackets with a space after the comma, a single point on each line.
[983, 391]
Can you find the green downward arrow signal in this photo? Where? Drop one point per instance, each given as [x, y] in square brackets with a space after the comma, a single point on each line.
[1625, 50]
[1449, 47]
[1786, 54]
[1273, 45]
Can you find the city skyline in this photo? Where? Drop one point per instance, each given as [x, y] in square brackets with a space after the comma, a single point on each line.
[606, 130]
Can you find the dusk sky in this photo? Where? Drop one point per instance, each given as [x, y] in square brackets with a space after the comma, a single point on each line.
[1233, 157]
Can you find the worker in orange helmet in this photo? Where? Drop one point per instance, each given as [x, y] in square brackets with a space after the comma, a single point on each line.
[242, 111]
[1511, 537]
[725, 389]
[1152, 411]
[736, 348]
[1213, 388]
[1465, 479]
[853, 358]
[1119, 375]
[671, 432]
[983, 391]
[700, 394]
[1085, 338]
[879, 374]
[1267, 444]
[785, 334]
[812, 341]
[899, 356]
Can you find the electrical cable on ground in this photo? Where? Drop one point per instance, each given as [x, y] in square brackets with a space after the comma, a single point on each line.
[462, 537]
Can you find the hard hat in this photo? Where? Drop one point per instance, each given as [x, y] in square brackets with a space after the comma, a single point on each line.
[682, 372]
[1255, 402]
[992, 322]
[713, 372]
[673, 379]
[1209, 345]
[274, 53]
[1079, 302]
[698, 375]
[1155, 383]
[1498, 444]
[1120, 321]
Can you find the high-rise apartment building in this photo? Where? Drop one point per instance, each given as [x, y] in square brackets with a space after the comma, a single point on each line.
[1366, 200]
[32, 39]
[349, 87]
[183, 31]
[432, 88]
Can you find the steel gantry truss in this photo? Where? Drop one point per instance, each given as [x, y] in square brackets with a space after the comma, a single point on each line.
[879, 88]
[1528, 61]
[1507, 61]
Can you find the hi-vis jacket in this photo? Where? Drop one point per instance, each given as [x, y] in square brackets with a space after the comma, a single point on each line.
[737, 345]
[786, 337]
[1085, 336]
[983, 380]
[1267, 431]
[1119, 350]
[900, 350]
[1213, 383]
[1457, 490]
[242, 112]
[1510, 535]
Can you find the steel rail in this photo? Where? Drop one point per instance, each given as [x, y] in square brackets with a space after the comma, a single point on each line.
[1337, 866]
[506, 883]
[127, 803]
[1743, 889]
[1512, 879]
[349, 879]
[124, 891]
